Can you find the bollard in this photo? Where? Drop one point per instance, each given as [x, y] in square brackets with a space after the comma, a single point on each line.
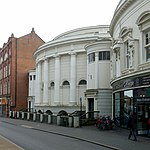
[34, 117]
[70, 121]
[58, 120]
[41, 117]
[17, 115]
[22, 115]
[28, 116]
[10, 112]
[14, 114]
[76, 122]
[49, 119]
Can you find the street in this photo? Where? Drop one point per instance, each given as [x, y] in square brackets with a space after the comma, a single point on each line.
[29, 139]
[40, 136]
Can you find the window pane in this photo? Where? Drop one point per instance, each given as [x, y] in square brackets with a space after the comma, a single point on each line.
[148, 54]
[34, 77]
[52, 84]
[82, 82]
[100, 56]
[65, 83]
[30, 77]
[147, 37]
[91, 57]
[104, 55]
[108, 55]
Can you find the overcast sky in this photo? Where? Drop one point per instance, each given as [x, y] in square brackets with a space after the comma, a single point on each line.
[52, 17]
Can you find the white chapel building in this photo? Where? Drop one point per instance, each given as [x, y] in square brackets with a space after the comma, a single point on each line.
[74, 67]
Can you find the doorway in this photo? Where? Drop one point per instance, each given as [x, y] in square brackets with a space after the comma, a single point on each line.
[91, 107]
[143, 113]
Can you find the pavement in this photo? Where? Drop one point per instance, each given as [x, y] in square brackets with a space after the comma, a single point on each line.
[116, 139]
[5, 144]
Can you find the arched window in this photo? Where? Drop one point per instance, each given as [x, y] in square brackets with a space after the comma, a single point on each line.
[66, 83]
[82, 82]
[52, 84]
[144, 25]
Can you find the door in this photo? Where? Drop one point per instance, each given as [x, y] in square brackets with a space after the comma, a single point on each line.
[143, 113]
[91, 107]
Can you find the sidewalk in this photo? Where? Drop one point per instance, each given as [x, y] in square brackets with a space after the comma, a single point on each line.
[114, 139]
[5, 144]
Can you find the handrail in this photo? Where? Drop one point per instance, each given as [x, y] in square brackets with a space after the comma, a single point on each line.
[89, 114]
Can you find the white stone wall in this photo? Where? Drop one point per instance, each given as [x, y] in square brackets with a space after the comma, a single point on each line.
[66, 58]
[124, 27]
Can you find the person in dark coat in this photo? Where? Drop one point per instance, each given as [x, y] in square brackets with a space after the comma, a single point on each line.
[132, 126]
[148, 125]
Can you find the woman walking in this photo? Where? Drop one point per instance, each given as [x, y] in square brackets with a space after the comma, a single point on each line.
[132, 126]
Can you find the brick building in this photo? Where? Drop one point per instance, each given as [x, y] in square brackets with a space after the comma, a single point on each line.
[15, 62]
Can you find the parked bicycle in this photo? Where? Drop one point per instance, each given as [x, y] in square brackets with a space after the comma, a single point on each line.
[105, 122]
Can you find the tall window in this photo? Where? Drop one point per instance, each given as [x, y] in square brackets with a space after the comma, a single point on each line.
[127, 54]
[147, 45]
[91, 57]
[144, 26]
[104, 55]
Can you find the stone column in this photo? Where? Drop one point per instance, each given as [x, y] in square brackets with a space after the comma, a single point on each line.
[118, 71]
[57, 80]
[45, 94]
[96, 70]
[73, 78]
[38, 82]
[141, 58]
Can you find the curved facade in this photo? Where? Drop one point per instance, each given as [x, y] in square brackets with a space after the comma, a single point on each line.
[130, 79]
[61, 72]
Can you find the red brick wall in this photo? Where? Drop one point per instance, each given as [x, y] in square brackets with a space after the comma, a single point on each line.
[26, 46]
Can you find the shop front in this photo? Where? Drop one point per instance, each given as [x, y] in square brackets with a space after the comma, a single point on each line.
[132, 94]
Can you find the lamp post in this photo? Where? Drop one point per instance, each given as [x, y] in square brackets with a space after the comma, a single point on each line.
[81, 104]
[81, 110]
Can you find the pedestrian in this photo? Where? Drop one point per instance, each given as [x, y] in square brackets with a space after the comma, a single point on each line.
[148, 124]
[132, 126]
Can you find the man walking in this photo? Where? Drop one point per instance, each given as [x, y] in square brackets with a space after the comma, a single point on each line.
[132, 126]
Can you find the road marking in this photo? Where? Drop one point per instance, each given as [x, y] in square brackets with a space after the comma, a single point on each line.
[26, 126]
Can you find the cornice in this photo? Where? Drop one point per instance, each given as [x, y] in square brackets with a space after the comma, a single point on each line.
[66, 34]
[137, 73]
[118, 12]
[64, 41]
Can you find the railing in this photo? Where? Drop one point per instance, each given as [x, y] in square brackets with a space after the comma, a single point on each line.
[89, 118]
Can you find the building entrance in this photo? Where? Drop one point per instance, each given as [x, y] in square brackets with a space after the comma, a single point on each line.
[143, 113]
[91, 107]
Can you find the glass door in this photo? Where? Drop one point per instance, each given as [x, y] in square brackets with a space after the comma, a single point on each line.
[143, 113]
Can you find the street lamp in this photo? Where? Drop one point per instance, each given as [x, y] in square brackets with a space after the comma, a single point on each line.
[81, 104]
[81, 110]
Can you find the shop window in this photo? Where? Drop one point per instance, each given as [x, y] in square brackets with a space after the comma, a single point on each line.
[104, 55]
[91, 57]
[117, 105]
[142, 92]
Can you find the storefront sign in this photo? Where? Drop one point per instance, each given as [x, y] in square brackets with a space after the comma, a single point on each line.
[131, 82]
[143, 100]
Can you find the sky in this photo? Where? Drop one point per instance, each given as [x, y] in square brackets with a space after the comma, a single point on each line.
[49, 18]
